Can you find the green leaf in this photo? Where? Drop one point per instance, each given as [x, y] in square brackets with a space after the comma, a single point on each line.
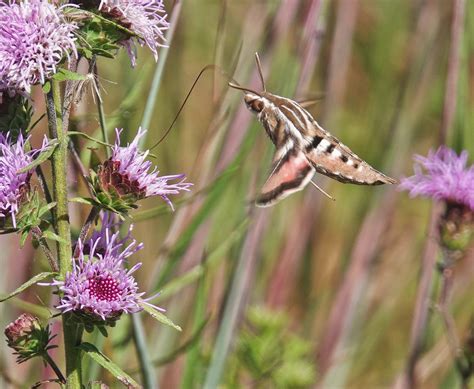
[27, 284]
[83, 200]
[51, 235]
[64, 74]
[46, 87]
[156, 314]
[42, 157]
[106, 363]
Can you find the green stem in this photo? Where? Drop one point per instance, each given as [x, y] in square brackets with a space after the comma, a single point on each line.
[72, 334]
[55, 367]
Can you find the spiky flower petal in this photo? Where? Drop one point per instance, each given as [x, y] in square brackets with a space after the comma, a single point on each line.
[13, 184]
[34, 38]
[145, 18]
[442, 175]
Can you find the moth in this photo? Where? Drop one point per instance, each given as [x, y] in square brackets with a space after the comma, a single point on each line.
[303, 148]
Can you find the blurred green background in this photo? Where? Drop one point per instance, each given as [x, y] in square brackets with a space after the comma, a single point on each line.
[308, 292]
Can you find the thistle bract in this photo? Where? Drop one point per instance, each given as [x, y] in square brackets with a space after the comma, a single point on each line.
[34, 38]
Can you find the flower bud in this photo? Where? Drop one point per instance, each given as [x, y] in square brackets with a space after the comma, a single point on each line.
[27, 337]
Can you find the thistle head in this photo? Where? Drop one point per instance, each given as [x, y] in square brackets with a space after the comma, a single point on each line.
[127, 176]
[445, 176]
[35, 36]
[28, 337]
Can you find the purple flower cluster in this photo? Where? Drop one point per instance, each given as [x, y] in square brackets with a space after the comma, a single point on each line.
[145, 18]
[99, 285]
[34, 38]
[132, 164]
[442, 175]
[14, 185]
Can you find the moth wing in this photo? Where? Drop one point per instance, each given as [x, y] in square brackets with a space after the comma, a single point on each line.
[290, 174]
[330, 157]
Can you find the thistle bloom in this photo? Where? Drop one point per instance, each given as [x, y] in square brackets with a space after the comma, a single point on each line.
[126, 176]
[145, 18]
[13, 184]
[442, 175]
[99, 287]
[34, 38]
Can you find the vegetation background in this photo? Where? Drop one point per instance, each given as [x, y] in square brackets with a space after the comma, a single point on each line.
[309, 292]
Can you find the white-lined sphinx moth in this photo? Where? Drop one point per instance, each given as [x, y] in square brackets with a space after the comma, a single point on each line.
[303, 148]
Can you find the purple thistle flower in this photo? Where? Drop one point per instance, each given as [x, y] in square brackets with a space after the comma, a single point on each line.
[99, 287]
[14, 185]
[135, 176]
[34, 38]
[145, 18]
[442, 175]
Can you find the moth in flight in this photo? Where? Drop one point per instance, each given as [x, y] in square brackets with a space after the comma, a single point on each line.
[303, 148]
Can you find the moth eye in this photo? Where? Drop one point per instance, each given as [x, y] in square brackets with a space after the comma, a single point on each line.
[257, 105]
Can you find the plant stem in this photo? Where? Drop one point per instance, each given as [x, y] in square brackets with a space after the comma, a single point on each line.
[72, 334]
[146, 365]
[55, 367]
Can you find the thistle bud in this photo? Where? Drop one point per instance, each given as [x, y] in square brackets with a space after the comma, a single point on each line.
[27, 337]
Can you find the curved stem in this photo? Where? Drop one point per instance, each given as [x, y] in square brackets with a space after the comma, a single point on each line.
[72, 335]
[55, 367]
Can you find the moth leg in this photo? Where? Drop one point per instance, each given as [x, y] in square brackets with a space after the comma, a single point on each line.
[322, 191]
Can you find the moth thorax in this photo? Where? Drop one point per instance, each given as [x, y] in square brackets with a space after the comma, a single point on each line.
[254, 102]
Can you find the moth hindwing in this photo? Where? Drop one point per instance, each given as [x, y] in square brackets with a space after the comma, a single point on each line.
[303, 148]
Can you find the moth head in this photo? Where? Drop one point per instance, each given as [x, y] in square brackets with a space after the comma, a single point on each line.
[254, 102]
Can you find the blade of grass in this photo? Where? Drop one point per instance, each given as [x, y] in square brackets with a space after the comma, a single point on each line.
[239, 290]
[193, 360]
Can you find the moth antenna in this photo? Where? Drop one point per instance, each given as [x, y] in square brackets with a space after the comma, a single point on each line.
[259, 67]
[322, 191]
[242, 88]
[203, 70]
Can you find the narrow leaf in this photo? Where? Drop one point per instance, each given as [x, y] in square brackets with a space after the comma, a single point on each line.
[82, 200]
[106, 363]
[42, 157]
[156, 314]
[64, 74]
[51, 235]
[46, 87]
[27, 284]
